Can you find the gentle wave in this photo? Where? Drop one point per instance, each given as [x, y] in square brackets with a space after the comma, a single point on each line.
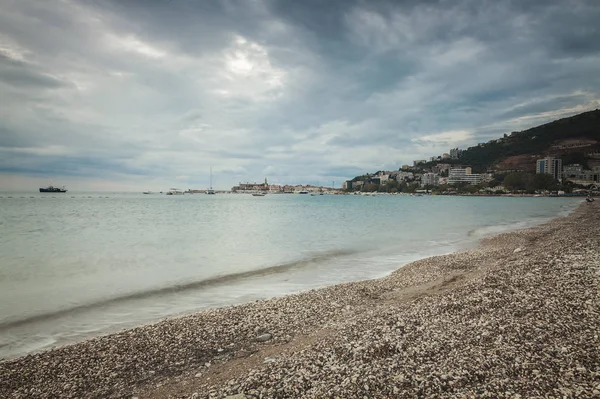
[485, 231]
[177, 288]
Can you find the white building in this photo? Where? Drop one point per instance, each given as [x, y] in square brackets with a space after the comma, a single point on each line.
[430, 179]
[464, 175]
[551, 166]
[573, 170]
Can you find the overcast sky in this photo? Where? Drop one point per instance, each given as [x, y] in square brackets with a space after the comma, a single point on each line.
[136, 95]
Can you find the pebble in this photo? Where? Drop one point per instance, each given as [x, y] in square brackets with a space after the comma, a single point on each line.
[264, 337]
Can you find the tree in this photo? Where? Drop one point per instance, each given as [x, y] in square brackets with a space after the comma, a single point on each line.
[493, 183]
[410, 188]
[543, 181]
[518, 181]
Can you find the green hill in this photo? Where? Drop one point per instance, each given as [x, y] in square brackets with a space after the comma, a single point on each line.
[541, 140]
[570, 139]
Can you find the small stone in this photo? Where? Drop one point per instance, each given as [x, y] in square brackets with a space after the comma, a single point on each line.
[198, 375]
[236, 396]
[516, 251]
[264, 337]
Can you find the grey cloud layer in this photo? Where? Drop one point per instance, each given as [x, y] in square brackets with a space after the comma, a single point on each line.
[302, 91]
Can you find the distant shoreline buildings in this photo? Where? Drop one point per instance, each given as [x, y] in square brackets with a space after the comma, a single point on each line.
[251, 188]
[436, 173]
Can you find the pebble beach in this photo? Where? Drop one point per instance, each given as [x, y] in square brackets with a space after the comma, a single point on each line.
[517, 317]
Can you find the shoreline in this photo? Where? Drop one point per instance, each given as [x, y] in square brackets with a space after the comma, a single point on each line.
[215, 350]
[469, 241]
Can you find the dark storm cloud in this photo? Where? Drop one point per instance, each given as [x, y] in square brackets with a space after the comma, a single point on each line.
[19, 74]
[296, 90]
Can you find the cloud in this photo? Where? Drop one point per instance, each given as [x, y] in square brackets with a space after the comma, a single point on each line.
[144, 92]
[445, 138]
[24, 76]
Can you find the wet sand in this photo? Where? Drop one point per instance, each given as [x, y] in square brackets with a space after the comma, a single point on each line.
[519, 316]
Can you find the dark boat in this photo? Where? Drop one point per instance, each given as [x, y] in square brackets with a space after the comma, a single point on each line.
[52, 189]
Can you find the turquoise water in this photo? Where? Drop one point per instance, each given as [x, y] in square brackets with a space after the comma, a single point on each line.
[78, 265]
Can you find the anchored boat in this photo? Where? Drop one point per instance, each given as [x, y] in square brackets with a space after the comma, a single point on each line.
[210, 190]
[52, 189]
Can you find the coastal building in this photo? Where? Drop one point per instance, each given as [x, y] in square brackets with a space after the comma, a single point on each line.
[550, 166]
[430, 179]
[573, 170]
[275, 188]
[593, 154]
[384, 178]
[405, 167]
[568, 144]
[445, 156]
[244, 187]
[591, 176]
[576, 174]
[441, 167]
[464, 175]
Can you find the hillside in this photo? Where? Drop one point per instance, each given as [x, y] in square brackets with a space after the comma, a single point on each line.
[568, 138]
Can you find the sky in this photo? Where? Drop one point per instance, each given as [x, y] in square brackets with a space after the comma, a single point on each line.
[147, 95]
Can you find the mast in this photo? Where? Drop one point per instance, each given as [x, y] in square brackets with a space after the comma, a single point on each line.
[211, 177]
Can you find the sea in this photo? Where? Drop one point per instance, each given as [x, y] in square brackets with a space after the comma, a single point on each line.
[79, 265]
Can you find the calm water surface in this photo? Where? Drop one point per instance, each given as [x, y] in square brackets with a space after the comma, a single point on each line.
[79, 265]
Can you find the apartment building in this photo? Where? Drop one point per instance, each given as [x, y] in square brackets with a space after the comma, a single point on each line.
[430, 179]
[550, 166]
[464, 175]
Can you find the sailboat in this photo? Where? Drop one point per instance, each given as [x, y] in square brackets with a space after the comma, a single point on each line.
[210, 190]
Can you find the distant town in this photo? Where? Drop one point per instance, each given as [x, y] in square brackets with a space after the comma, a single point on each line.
[445, 175]
[558, 158]
[265, 188]
[437, 176]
